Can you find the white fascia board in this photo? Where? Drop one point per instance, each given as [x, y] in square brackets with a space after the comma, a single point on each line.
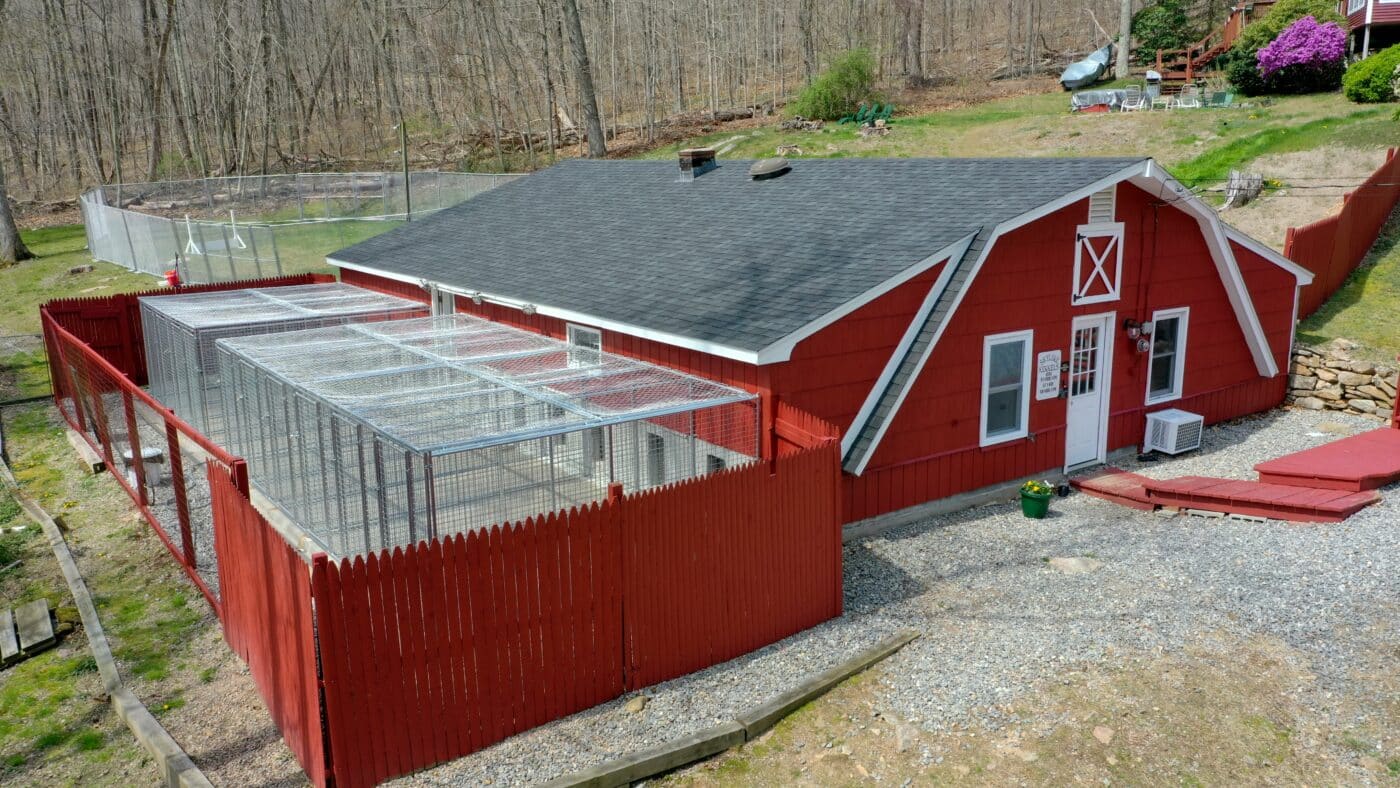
[1211, 229]
[568, 315]
[910, 334]
[1305, 277]
[782, 349]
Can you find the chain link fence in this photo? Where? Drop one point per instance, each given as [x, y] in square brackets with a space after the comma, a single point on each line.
[256, 226]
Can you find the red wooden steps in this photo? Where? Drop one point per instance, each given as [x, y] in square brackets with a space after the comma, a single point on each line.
[1259, 499]
[1118, 486]
[1361, 462]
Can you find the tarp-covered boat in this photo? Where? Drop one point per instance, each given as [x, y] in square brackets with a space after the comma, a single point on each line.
[1083, 73]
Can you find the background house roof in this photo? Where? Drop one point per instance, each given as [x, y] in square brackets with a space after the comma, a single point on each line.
[721, 259]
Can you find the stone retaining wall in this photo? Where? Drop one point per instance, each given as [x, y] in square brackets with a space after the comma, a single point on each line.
[1328, 378]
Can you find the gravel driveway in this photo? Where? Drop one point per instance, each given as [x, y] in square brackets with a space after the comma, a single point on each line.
[996, 617]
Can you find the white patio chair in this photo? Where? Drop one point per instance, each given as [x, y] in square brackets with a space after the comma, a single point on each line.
[1134, 99]
[1189, 98]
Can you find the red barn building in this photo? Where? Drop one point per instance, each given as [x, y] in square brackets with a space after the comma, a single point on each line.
[964, 322]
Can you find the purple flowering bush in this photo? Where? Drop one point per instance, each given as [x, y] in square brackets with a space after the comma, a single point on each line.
[1307, 57]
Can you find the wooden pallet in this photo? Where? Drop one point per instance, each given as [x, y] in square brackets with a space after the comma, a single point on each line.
[25, 632]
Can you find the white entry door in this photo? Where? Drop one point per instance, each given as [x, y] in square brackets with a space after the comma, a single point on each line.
[1090, 373]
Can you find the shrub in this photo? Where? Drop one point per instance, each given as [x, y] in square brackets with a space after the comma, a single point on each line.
[838, 91]
[1162, 25]
[1373, 79]
[1305, 58]
[1242, 62]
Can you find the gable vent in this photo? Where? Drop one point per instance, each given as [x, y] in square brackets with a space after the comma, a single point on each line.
[1101, 206]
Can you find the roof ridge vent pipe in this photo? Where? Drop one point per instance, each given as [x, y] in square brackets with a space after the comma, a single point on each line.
[696, 162]
[767, 169]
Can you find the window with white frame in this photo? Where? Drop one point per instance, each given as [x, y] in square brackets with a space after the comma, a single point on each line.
[1006, 382]
[1166, 369]
[1355, 5]
[585, 345]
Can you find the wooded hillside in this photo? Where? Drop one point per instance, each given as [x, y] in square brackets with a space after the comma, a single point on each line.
[95, 90]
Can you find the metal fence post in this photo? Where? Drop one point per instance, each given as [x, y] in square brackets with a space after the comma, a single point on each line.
[204, 252]
[301, 209]
[228, 252]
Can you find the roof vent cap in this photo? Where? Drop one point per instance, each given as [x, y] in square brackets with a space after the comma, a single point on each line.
[765, 169]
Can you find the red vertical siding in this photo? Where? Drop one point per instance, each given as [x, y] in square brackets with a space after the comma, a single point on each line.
[381, 284]
[931, 449]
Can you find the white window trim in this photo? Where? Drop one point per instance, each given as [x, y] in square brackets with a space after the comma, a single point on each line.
[573, 331]
[1179, 376]
[1112, 230]
[1026, 337]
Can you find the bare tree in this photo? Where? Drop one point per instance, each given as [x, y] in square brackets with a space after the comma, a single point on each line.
[583, 75]
[12, 248]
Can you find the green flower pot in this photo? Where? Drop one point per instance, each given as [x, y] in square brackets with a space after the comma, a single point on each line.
[1035, 505]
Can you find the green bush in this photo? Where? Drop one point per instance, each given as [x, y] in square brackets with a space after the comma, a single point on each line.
[838, 91]
[1242, 61]
[1373, 80]
[1162, 25]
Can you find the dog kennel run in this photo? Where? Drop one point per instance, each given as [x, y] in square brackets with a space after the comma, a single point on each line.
[180, 331]
[373, 435]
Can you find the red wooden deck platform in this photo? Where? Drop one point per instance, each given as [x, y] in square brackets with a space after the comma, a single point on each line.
[1277, 501]
[1118, 486]
[1361, 462]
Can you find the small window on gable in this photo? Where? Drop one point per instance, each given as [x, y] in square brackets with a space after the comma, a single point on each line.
[1166, 369]
[1006, 381]
[585, 346]
[1098, 263]
[1101, 206]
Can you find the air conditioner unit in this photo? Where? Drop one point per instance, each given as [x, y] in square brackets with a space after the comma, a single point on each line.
[1173, 431]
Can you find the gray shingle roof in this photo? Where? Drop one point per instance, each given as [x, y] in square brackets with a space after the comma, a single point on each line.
[723, 258]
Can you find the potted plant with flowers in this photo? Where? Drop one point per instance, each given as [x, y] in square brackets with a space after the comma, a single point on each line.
[1035, 498]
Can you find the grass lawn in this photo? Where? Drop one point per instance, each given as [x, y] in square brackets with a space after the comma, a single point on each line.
[56, 727]
[1198, 146]
[1367, 307]
[55, 723]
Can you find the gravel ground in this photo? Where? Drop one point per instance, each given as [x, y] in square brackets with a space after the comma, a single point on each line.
[996, 618]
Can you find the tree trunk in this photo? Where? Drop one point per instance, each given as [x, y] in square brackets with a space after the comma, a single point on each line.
[583, 74]
[1125, 39]
[12, 249]
[806, 20]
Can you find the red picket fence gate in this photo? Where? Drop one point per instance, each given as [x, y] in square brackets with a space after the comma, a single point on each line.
[1332, 248]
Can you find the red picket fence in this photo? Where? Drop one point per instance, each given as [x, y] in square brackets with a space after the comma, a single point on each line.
[111, 325]
[1333, 247]
[438, 650]
[116, 417]
[389, 663]
[266, 614]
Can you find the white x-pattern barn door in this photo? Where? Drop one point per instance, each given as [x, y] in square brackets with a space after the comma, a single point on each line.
[1098, 263]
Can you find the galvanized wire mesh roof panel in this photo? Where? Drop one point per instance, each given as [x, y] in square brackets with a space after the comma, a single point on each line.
[451, 383]
[274, 304]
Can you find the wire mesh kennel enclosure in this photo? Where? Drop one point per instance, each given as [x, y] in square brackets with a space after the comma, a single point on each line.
[382, 434]
[180, 332]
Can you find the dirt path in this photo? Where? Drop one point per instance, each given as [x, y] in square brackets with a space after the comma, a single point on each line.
[1223, 711]
[1312, 185]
